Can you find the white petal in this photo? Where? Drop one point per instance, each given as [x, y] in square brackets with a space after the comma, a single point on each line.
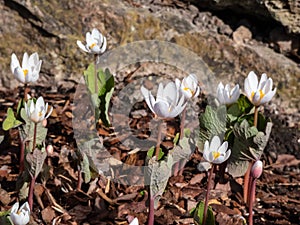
[161, 109]
[262, 81]
[227, 154]
[160, 92]
[19, 75]
[247, 88]
[49, 113]
[170, 93]
[268, 86]
[253, 81]
[197, 92]
[25, 206]
[25, 61]
[15, 207]
[14, 62]
[256, 99]
[134, 222]
[268, 97]
[215, 143]
[81, 46]
[104, 45]
[222, 149]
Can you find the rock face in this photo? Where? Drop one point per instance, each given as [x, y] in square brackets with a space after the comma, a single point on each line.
[52, 27]
[286, 12]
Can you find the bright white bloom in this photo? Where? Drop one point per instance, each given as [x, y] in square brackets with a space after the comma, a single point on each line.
[134, 221]
[31, 66]
[215, 152]
[189, 86]
[95, 42]
[37, 111]
[20, 216]
[168, 103]
[259, 93]
[226, 96]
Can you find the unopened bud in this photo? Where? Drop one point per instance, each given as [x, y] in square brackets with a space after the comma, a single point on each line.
[44, 122]
[257, 169]
[50, 150]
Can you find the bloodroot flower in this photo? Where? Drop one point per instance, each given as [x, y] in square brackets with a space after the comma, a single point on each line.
[227, 96]
[20, 216]
[36, 112]
[31, 66]
[189, 86]
[259, 93]
[168, 103]
[95, 42]
[215, 152]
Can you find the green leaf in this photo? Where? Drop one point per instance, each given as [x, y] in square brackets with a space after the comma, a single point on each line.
[244, 104]
[36, 161]
[85, 166]
[198, 215]
[183, 150]
[151, 153]
[248, 145]
[10, 120]
[157, 175]
[212, 122]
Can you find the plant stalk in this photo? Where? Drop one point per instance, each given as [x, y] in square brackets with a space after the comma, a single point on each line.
[96, 77]
[30, 194]
[207, 194]
[26, 91]
[255, 116]
[157, 148]
[22, 154]
[79, 178]
[151, 211]
[251, 200]
[34, 136]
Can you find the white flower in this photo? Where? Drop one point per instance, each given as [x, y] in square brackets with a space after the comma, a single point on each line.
[259, 93]
[168, 103]
[134, 221]
[31, 66]
[189, 86]
[226, 96]
[20, 216]
[36, 111]
[215, 152]
[95, 42]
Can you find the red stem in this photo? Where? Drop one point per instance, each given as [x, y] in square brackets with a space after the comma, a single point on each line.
[151, 211]
[22, 154]
[157, 148]
[34, 136]
[255, 116]
[207, 194]
[31, 190]
[251, 200]
[79, 178]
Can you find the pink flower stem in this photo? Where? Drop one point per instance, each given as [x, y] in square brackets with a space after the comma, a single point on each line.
[207, 194]
[177, 167]
[251, 200]
[151, 210]
[255, 116]
[34, 136]
[157, 148]
[22, 154]
[31, 190]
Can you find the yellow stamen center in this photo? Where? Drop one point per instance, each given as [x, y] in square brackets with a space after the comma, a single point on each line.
[25, 71]
[216, 155]
[93, 45]
[261, 94]
[40, 114]
[188, 89]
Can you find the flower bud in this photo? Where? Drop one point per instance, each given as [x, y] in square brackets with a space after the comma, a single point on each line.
[257, 169]
[50, 150]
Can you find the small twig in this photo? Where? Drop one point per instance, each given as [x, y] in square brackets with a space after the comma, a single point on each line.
[104, 196]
